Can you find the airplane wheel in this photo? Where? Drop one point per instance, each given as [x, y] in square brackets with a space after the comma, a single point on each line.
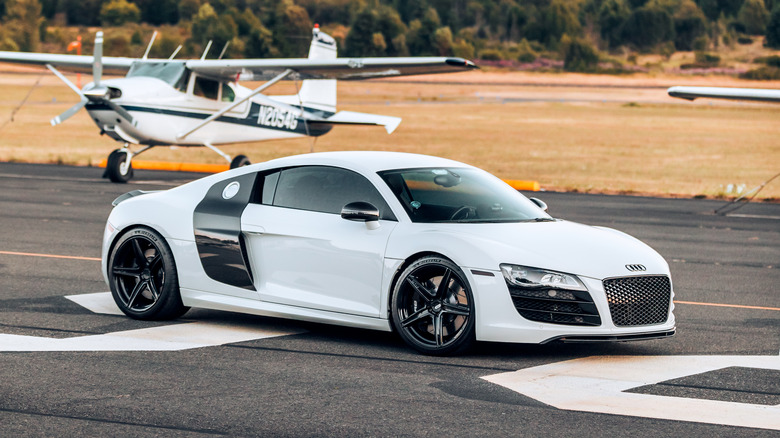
[116, 170]
[240, 161]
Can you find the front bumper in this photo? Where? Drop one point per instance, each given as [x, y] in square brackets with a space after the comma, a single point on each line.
[499, 321]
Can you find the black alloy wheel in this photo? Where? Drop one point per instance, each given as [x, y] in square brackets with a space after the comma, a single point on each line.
[142, 275]
[116, 170]
[433, 307]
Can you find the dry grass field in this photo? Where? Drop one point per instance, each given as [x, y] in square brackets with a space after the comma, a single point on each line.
[569, 132]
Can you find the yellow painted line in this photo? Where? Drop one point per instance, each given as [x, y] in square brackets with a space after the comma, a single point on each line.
[53, 256]
[735, 306]
[531, 186]
[176, 167]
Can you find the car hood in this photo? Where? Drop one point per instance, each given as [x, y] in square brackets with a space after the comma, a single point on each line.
[563, 246]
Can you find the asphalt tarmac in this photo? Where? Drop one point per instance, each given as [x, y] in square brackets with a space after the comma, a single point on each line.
[319, 380]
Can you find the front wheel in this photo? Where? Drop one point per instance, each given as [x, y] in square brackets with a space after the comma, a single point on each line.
[433, 307]
[142, 275]
[118, 169]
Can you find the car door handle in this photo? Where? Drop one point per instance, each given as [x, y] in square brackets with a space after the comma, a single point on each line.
[253, 229]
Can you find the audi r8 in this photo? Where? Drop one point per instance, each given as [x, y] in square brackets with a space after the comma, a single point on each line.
[438, 251]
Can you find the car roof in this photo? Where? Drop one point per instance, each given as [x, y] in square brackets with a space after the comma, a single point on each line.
[364, 161]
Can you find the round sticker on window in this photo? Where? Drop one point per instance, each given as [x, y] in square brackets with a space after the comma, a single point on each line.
[231, 190]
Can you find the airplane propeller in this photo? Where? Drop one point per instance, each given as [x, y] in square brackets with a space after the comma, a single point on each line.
[97, 93]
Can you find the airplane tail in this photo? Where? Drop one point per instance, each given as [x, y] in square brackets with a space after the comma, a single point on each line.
[320, 93]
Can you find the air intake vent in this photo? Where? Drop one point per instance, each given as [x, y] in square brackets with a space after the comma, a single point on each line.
[555, 306]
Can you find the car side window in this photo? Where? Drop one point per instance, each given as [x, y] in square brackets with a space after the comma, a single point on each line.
[326, 190]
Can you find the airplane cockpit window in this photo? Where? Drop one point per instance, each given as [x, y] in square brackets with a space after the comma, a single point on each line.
[172, 72]
[207, 88]
[228, 95]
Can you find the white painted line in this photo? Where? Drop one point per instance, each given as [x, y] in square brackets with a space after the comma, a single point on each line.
[597, 384]
[164, 338]
[101, 302]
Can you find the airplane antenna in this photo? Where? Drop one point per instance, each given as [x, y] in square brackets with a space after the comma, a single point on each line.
[149, 47]
[205, 52]
[224, 49]
[175, 52]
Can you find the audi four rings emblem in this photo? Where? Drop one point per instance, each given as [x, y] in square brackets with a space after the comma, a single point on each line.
[635, 268]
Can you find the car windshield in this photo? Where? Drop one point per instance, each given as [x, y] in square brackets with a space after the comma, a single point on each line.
[172, 72]
[459, 195]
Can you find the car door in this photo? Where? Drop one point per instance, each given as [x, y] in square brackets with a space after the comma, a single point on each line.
[303, 253]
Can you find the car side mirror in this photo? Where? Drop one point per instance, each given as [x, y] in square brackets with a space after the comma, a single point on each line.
[539, 203]
[361, 212]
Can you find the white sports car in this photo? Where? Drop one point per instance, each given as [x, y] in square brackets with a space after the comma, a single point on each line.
[441, 252]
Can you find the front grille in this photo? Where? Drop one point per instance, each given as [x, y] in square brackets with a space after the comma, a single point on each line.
[555, 306]
[638, 300]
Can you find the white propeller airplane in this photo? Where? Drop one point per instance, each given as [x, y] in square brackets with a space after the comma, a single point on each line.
[167, 102]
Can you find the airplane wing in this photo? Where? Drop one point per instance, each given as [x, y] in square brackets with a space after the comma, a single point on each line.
[262, 69]
[757, 94]
[74, 63]
[337, 68]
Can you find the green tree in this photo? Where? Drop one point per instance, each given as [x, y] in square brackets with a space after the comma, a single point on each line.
[291, 29]
[647, 27]
[689, 25]
[442, 40]
[714, 8]
[753, 16]
[557, 19]
[159, 12]
[23, 18]
[360, 41]
[411, 10]
[188, 8]
[208, 26]
[579, 55]
[612, 15]
[119, 12]
[773, 29]
[421, 34]
[83, 12]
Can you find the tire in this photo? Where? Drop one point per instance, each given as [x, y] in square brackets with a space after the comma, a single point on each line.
[115, 168]
[143, 278]
[240, 161]
[432, 319]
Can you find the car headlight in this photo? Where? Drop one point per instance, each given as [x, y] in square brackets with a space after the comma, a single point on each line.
[533, 278]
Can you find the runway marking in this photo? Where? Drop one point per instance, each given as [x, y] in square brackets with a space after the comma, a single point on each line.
[54, 256]
[164, 338]
[735, 306]
[89, 180]
[597, 384]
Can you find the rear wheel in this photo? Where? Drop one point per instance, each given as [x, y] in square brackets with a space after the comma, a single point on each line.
[239, 161]
[433, 307]
[118, 170]
[142, 275]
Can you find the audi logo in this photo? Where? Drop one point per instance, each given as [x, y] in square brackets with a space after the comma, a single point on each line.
[636, 268]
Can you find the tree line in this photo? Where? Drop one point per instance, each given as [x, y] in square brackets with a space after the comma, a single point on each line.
[519, 30]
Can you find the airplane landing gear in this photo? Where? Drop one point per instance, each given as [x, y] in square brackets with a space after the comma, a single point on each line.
[119, 168]
[239, 161]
